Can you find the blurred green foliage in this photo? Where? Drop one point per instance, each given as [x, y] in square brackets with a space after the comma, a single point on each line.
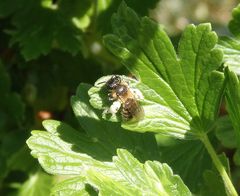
[47, 47]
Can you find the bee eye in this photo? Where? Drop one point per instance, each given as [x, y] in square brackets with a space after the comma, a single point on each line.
[113, 82]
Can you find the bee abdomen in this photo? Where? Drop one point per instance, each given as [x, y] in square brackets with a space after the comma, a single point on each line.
[130, 109]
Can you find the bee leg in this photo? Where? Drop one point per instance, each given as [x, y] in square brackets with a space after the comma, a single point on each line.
[112, 96]
[137, 93]
[114, 107]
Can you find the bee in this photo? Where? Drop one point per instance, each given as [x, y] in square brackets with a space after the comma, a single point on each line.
[124, 97]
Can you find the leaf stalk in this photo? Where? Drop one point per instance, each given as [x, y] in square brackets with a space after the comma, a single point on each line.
[226, 179]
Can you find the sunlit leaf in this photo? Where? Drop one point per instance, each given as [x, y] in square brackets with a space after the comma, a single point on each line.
[175, 103]
[110, 135]
[37, 184]
[233, 104]
[151, 178]
[71, 187]
[231, 45]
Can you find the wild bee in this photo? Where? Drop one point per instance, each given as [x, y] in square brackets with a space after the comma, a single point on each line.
[124, 97]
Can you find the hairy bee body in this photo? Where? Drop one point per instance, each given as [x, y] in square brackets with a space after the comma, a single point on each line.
[123, 97]
[130, 109]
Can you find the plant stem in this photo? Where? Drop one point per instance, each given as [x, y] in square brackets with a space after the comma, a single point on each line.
[227, 182]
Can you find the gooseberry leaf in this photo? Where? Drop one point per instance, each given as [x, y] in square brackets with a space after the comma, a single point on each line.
[182, 105]
[180, 157]
[124, 175]
[71, 186]
[38, 28]
[151, 178]
[233, 106]
[234, 24]
[231, 45]
[225, 132]
[110, 135]
[38, 183]
[213, 184]
[63, 150]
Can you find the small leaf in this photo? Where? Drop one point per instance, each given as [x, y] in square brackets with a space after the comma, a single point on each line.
[234, 24]
[71, 187]
[180, 157]
[37, 184]
[213, 184]
[233, 103]
[231, 45]
[225, 132]
[175, 103]
[231, 50]
[38, 29]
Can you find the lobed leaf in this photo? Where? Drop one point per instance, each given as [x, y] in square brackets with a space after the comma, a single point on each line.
[231, 45]
[111, 135]
[37, 28]
[225, 132]
[234, 24]
[181, 155]
[72, 186]
[125, 175]
[175, 103]
[233, 104]
[151, 178]
[63, 150]
[231, 50]
[37, 184]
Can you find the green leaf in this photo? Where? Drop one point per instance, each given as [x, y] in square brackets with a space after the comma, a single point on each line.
[71, 186]
[151, 178]
[12, 108]
[37, 184]
[231, 45]
[233, 103]
[234, 24]
[231, 51]
[5, 80]
[213, 184]
[107, 7]
[38, 29]
[225, 132]
[181, 156]
[175, 103]
[8, 7]
[110, 135]
[63, 150]
[125, 173]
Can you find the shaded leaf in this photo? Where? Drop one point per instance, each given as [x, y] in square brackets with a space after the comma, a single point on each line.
[38, 29]
[225, 132]
[213, 184]
[181, 156]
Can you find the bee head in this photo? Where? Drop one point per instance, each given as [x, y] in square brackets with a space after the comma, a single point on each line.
[113, 82]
